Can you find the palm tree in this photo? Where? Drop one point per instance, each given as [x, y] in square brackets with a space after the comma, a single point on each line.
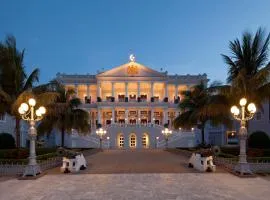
[247, 75]
[15, 86]
[65, 114]
[200, 106]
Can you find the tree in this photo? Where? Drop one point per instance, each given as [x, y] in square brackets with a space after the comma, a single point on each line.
[199, 106]
[247, 74]
[65, 114]
[6, 141]
[259, 139]
[15, 86]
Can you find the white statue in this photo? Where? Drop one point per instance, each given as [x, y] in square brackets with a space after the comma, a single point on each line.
[201, 163]
[73, 164]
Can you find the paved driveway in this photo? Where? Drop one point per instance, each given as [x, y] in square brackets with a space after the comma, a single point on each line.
[136, 161]
[152, 175]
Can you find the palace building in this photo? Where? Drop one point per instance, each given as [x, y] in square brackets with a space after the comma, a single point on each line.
[132, 102]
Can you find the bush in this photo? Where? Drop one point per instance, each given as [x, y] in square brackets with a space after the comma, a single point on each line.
[6, 141]
[230, 150]
[259, 140]
[23, 153]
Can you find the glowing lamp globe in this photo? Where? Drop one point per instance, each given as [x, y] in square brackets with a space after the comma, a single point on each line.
[251, 108]
[21, 110]
[42, 110]
[32, 102]
[233, 109]
[38, 113]
[237, 111]
[25, 107]
[243, 102]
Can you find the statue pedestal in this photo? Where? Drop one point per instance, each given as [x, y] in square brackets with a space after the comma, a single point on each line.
[32, 170]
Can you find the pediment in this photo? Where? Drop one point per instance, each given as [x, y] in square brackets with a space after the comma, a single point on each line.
[131, 69]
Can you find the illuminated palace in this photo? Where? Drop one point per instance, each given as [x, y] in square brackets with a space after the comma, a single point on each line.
[132, 103]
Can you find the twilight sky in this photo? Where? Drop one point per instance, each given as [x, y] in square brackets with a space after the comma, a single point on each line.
[184, 37]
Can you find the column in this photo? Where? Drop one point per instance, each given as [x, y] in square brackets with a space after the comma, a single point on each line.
[88, 91]
[139, 117]
[113, 115]
[126, 89]
[99, 116]
[126, 116]
[152, 89]
[152, 116]
[139, 89]
[166, 89]
[98, 89]
[165, 116]
[176, 91]
[76, 90]
[112, 89]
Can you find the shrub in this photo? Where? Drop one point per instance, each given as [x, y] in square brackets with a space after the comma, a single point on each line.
[259, 140]
[6, 141]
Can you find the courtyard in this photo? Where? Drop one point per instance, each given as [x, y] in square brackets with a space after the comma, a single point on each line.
[141, 174]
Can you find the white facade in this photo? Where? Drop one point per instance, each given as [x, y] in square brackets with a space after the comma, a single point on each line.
[132, 102]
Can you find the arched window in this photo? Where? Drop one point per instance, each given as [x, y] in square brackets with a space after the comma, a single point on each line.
[121, 140]
[132, 141]
[145, 140]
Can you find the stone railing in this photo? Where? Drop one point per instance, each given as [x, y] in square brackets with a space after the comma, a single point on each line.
[227, 163]
[257, 165]
[17, 167]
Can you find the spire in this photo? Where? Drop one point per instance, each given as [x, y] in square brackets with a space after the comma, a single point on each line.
[132, 58]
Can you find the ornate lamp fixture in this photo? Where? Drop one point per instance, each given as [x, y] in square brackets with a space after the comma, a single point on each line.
[166, 132]
[100, 132]
[28, 113]
[243, 115]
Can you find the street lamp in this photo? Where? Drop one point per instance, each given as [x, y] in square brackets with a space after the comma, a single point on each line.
[100, 132]
[243, 115]
[28, 113]
[166, 132]
[108, 139]
[157, 141]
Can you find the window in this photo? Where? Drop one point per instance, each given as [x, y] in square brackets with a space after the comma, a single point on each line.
[145, 141]
[132, 141]
[2, 117]
[121, 141]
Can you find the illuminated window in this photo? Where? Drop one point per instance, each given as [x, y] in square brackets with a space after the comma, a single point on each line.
[121, 141]
[145, 141]
[133, 141]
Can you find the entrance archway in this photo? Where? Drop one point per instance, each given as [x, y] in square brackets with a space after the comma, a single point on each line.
[132, 141]
[145, 140]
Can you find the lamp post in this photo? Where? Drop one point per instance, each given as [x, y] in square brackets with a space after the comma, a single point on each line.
[243, 115]
[166, 132]
[100, 132]
[157, 142]
[108, 139]
[28, 113]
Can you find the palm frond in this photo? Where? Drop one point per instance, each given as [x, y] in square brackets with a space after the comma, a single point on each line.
[33, 77]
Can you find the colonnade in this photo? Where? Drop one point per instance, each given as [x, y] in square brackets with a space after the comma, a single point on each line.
[99, 89]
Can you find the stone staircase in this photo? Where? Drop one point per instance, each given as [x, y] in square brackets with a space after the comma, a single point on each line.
[177, 139]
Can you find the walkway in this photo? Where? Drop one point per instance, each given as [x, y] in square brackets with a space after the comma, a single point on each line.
[182, 186]
[137, 161]
[145, 174]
